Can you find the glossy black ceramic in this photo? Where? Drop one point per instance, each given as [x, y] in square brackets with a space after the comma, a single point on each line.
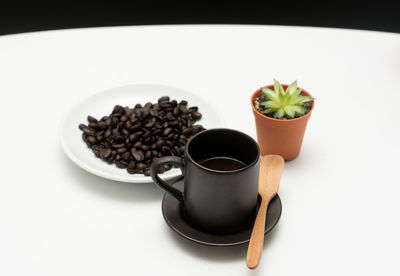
[173, 214]
[216, 201]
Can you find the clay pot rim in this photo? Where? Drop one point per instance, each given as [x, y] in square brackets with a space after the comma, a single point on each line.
[253, 96]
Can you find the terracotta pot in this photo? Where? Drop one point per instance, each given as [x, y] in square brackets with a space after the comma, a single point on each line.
[283, 137]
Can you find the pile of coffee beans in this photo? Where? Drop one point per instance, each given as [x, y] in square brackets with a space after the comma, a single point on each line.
[133, 137]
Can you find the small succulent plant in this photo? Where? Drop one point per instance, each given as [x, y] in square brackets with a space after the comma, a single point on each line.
[283, 104]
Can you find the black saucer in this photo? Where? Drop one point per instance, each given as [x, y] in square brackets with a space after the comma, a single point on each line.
[171, 209]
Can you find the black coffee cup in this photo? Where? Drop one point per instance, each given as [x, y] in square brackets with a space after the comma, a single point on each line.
[220, 170]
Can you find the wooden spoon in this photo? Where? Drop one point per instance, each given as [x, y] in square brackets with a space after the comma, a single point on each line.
[268, 184]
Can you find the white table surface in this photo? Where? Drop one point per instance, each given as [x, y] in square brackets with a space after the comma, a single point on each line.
[340, 197]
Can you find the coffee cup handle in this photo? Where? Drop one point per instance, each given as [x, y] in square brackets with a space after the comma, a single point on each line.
[157, 164]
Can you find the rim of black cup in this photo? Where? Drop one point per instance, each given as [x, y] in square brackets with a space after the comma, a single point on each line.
[225, 129]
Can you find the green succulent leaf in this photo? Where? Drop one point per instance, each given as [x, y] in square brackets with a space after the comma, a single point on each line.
[292, 88]
[279, 113]
[267, 111]
[289, 111]
[270, 94]
[287, 104]
[277, 86]
[271, 104]
[297, 93]
[306, 99]
[299, 110]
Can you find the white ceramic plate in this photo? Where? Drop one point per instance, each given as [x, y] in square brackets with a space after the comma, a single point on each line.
[102, 104]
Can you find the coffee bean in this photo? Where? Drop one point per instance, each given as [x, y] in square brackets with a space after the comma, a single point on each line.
[138, 144]
[96, 152]
[169, 116]
[107, 133]
[131, 170]
[165, 150]
[91, 139]
[154, 112]
[114, 121]
[183, 109]
[133, 119]
[160, 144]
[149, 124]
[82, 126]
[138, 113]
[140, 166]
[134, 137]
[145, 147]
[106, 153]
[91, 119]
[126, 156]
[116, 146]
[163, 99]
[122, 150]
[120, 164]
[145, 113]
[167, 131]
[89, 131]
[101, 125]
[186, 131]
[197, 128]
[125, 132]
[138, 156]
[118, 109]
[196, 115]
[146, 172]
[134, 127]
[176, 111]
[165, 105]
[147, 155]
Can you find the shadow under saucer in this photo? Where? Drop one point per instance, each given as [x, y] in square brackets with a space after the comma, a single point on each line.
[174, 217]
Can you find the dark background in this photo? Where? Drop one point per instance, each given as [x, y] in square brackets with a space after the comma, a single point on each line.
[21, 16]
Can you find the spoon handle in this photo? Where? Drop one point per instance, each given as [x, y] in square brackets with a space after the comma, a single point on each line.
[257, 237]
